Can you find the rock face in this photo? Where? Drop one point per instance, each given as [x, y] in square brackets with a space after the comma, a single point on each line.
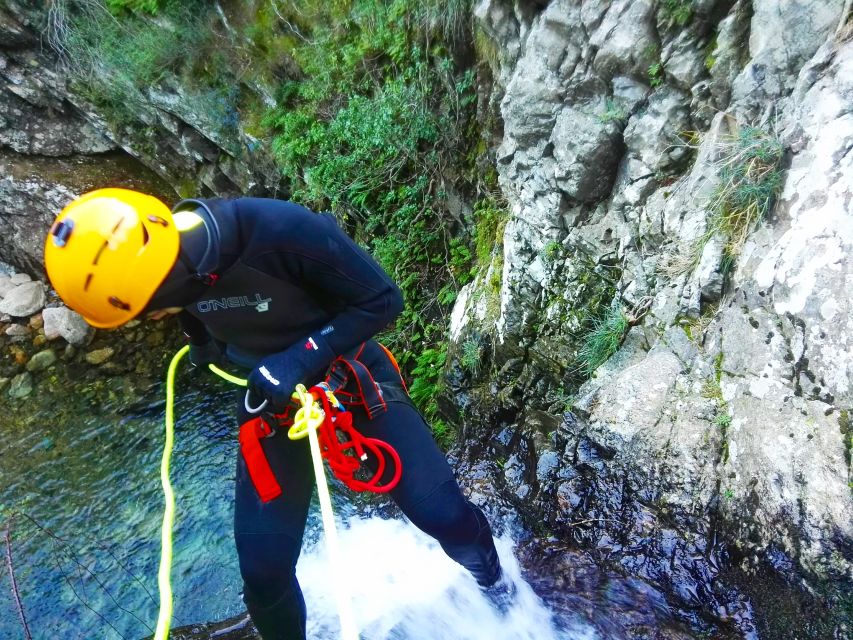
[726, 411]
[55, 145]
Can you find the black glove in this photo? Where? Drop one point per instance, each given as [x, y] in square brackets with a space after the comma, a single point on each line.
[202, 355]
[276, 376]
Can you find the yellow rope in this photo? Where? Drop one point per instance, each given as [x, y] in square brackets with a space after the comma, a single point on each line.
[164, 620]
[307, 419]
[241, 382]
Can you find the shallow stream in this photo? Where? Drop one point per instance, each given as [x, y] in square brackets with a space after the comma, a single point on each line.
[85, 477]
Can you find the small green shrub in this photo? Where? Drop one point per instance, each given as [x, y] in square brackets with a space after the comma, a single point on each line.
[604, 339]
[613, 112]
[426, 383]
[552, 250]
[656, 74]
[470, 358]
[723, 420]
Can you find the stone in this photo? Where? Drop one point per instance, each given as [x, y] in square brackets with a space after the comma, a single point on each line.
[6, 285]
[24, 300]
[547, 467]
[586, 152]
[70, 325]
[41, 360]
[100, 356]
[21, 385]
[16, 330]
[20, 278]
[776, 61]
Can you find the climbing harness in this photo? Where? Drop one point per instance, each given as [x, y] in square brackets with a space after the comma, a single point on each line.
[327, 424]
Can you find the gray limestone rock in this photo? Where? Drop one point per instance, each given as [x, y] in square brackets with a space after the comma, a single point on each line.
[70, 325]
[776, 59]
[6, 285]
[24, 300]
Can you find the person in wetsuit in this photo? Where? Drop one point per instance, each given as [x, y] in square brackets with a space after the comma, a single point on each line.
[282, 292]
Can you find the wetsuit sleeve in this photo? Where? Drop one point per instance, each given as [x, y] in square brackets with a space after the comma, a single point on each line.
[329, 265]
[332, 265]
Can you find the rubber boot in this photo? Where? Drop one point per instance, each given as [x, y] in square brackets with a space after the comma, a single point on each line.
[480, 556]
[283, 620]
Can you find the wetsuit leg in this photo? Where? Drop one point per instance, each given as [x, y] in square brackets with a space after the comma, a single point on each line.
[428, 492]
[269, 538]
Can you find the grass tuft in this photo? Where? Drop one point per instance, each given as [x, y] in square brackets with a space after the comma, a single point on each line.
[750, 169]
[604, 339]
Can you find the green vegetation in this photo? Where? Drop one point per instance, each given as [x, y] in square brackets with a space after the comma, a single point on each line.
[552, 250]
[604, 339]
[713, 391]
[656, 74]
[368, 130]
[750, 169]
[613, 112]
[373, 119]
[146, 6]
[490, 218]
[676, 12]
[470, 358]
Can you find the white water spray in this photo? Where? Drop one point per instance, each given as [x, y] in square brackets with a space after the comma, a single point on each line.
[404, 587]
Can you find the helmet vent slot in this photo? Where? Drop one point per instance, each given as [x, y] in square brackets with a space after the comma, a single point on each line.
[119, 304]
[100, 251]
[158, 220]
[145, 236]
[88, 282]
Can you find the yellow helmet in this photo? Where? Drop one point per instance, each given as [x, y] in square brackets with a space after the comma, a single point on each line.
[108, 252]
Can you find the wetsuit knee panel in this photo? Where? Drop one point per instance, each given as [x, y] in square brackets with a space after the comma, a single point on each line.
[267, 564]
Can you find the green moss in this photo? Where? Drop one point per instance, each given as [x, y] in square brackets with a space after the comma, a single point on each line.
[718, 367]
[710, 58]
[676, 12]
[490, 219]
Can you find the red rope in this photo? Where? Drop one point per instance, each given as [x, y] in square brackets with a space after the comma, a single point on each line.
[344, 448]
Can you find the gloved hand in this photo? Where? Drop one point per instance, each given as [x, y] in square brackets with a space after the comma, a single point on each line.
[276, 376]
[202, 355]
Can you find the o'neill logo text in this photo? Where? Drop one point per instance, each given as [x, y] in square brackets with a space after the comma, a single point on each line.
[235, 302]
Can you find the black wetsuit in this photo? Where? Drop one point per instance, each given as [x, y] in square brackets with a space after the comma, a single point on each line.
[276, 278]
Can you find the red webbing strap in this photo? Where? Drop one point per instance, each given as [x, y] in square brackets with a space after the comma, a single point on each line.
[263, 478]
